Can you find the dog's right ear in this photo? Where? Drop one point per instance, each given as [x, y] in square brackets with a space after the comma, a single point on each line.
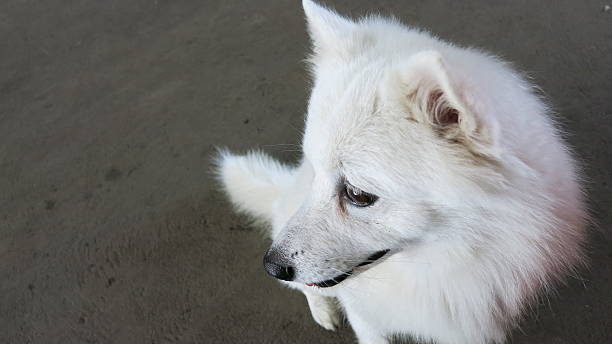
[332, 35]
[433, 96]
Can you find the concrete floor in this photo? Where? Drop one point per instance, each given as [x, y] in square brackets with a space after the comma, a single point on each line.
[111, 227]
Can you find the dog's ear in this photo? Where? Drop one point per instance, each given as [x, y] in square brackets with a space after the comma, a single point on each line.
[436, 98]
[331, 33]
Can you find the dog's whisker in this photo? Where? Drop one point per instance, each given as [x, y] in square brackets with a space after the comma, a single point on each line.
[390, 260]
[342, 273]
[361, 276]
[281, 145]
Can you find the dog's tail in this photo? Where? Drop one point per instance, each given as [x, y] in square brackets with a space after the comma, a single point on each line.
[254, 182]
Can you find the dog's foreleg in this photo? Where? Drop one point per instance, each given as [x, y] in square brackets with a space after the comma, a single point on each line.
[365, 332]
[324, 310]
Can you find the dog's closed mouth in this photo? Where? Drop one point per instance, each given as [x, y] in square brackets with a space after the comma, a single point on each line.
[336, 280]
[332, 281]
[374, 257]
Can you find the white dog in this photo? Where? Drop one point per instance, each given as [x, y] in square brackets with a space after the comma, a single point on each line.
[435, 198]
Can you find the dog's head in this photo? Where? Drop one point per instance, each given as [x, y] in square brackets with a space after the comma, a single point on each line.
[396, 145]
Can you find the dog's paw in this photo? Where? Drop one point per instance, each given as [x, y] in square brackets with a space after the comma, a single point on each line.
[328, 319]
[324, 311]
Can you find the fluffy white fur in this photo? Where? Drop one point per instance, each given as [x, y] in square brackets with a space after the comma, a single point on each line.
[479, 199]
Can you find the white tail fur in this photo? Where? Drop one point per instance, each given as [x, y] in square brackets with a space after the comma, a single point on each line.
[253, 181]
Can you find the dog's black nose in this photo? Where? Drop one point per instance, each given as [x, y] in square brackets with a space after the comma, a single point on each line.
[277, 267]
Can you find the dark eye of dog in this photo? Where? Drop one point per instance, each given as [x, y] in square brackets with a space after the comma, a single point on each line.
[358, 197]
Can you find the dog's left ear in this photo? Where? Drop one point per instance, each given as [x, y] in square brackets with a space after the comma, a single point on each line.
[434, 97]
[332, 35]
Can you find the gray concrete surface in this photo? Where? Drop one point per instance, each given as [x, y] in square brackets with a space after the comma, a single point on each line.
[111, 228]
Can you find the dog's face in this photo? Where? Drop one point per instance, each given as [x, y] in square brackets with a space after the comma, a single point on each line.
[393, 147]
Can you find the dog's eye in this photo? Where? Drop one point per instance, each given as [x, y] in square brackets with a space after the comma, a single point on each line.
[357, 197]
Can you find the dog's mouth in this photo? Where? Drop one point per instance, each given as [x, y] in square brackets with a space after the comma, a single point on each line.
[336, 280]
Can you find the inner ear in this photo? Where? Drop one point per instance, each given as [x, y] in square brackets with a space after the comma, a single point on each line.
[440, 109]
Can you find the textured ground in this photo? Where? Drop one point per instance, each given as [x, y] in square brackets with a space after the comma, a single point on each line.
[111, 228]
